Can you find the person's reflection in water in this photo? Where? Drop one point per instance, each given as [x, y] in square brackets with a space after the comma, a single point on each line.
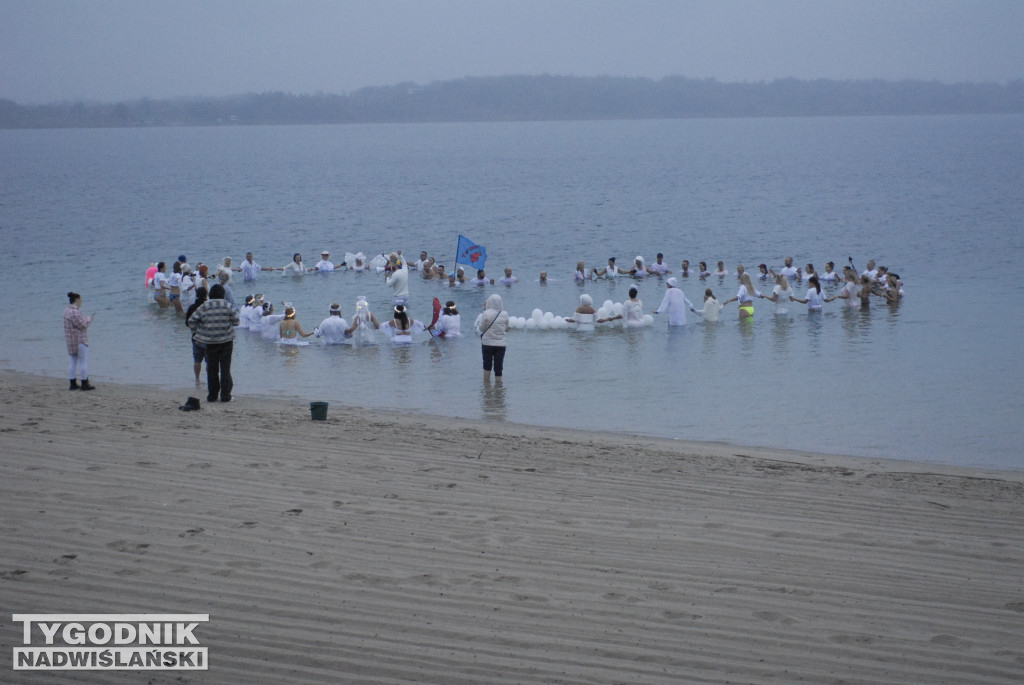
[493, 400]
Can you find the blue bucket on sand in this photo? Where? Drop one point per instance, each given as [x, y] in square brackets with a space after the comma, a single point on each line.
[318, 411]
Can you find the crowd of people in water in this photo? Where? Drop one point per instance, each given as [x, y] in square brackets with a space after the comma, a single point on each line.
[187, 289]
[184, 285]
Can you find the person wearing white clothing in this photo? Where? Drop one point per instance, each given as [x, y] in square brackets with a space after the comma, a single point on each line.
[712, 307]
[659, 267]
[449, 325]
[814, 298]
[674, 303]
[325, 265]
[850, 290]
[398, 280]
[790, 271]
[781, 295]
[401, 327]
[632, 311]
[250, 268]
[492, 324]
[225, 268]
[294, 267]
[334, 329]
[508, 278]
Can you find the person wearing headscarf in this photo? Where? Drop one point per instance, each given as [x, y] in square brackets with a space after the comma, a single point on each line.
[675, 304]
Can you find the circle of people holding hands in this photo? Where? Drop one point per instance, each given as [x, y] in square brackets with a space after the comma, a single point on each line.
[185, 289]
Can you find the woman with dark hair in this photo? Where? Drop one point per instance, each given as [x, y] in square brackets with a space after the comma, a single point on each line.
[161, 287]
[76, 335]
[401, 326]
[814, 298]
[294, 267]
[449, 324]
[174, 284]
[632, 312]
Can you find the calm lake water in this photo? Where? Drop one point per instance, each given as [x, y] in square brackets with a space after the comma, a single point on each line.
[939, 200]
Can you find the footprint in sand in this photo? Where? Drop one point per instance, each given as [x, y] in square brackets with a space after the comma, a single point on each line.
[844, 639]
[950, 641]
[248, 524]
[772, 616]
[129, 547]
[190, 533]
[292, 512]
[13, 575]
[244, 563]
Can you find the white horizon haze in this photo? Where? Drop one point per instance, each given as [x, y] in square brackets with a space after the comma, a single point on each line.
[121, 50]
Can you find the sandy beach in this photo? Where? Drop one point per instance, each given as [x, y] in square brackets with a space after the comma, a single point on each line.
[386, 548]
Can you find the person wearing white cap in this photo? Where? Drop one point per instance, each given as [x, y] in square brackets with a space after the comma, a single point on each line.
[334, 329]
[675, 304]
[325, 265]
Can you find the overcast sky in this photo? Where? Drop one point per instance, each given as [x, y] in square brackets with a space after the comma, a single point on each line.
[110, 50]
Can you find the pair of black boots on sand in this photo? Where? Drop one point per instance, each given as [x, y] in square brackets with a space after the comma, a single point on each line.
[86, 385]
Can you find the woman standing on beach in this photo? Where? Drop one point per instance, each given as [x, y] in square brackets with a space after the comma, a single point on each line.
[76, 335]
[493, 327]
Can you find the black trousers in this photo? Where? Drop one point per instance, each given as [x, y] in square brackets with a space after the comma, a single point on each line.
[494, 355]
[218, 371]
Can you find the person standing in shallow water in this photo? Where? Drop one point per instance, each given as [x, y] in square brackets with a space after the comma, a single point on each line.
[76, 335]
[492, 325]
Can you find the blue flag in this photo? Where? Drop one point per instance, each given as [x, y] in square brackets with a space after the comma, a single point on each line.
[470, 253]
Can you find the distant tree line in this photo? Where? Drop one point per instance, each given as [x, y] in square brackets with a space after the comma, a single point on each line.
[537, 98]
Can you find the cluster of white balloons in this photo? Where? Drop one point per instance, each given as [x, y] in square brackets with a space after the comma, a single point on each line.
[544, 321]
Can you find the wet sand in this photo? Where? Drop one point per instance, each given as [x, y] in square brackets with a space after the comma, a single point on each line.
[387, 548]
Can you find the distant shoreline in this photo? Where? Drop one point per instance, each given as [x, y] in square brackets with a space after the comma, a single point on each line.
[535, 98]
